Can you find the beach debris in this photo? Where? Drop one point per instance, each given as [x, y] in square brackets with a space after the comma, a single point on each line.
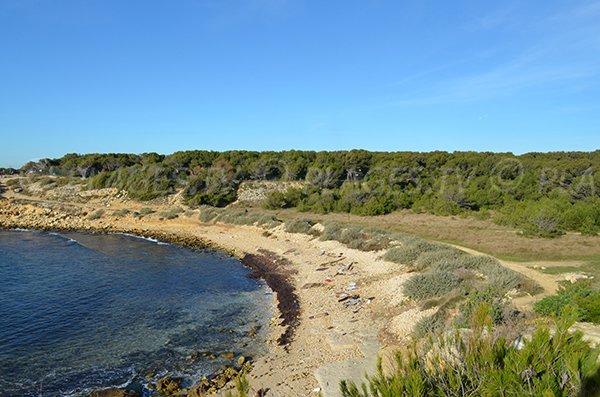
[346, 268]
[311, 285]
[328, 280]
[351, 286]
[324, 314]
[322, 269]
[291, 250]
[345, 297]
[322, 253]
[331, 263]
[353, 302]
[317, 390]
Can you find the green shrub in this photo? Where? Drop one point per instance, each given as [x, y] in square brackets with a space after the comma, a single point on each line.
[410, 250]
[268, 221]
[403, 254]
[122, 212]
[172, 213]
[430, 285]
[582, 295]
[332, 231]
[429, 259]
[96, 215]
[430, 325]
[490, 296]
[207, 213]
[501, 277]
[482, 362]
[368, 239]
[303, 226]
[146, 211]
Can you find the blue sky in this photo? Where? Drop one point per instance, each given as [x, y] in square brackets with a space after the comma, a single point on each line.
[146, 75]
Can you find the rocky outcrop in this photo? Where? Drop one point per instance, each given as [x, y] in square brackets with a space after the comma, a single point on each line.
[114, 393]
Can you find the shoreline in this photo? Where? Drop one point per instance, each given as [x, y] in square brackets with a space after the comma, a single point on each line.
[264, 266]
[316, 338]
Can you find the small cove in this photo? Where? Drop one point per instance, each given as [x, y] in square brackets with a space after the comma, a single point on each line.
[82, 311]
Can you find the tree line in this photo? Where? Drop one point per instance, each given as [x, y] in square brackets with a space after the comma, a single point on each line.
[541, 193]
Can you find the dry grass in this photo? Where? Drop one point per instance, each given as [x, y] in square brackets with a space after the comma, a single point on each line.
[481, 235]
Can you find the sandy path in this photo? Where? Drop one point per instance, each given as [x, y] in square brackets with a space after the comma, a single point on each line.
[548, 282]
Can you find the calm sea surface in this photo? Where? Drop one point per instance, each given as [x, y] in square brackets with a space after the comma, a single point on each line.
[80, 311]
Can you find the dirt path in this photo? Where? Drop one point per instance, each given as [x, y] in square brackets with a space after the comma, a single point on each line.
[548, 282]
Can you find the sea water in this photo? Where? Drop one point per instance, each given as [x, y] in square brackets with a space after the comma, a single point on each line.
[80, 311]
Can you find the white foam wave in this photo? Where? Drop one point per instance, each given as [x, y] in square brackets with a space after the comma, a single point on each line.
[152, 240]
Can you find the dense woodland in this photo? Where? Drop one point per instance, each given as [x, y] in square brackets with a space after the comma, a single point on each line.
[541, 193]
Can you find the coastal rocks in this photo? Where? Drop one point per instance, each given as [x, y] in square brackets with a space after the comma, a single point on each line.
[169, 386]
[114, 393]
[218, 380]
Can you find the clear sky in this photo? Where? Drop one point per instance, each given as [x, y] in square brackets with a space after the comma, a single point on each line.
[147, 75]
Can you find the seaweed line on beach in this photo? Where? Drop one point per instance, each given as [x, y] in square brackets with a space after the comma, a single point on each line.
[276, 272]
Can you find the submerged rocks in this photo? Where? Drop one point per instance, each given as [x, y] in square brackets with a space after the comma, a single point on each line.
[217, 381]
[169, 386]
[114, 393]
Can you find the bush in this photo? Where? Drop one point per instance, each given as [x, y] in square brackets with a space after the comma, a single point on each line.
[430, 325]
[268, 221]
[501, 277]
[490, 296]
[428, 259]
[430, 285]
[172, 213]
[410, 250]
[208, 214]
[122, 212]
[481, 362]
[581, 295]
[369, 239]
[96, 215]
[146, 211]
[303, 226]
[403, 254]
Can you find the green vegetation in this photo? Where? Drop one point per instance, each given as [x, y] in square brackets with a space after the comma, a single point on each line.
[581, 295]
[96, 215]
[543, 194]
[431, 285]
[237, 217]
[121, 213]
[145, 211]
[172, 213]
[483, 362]
[299, 226]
